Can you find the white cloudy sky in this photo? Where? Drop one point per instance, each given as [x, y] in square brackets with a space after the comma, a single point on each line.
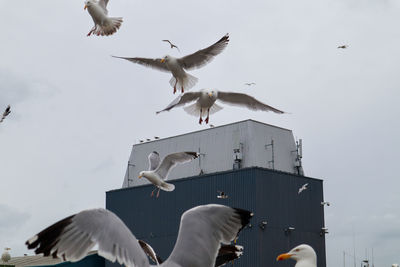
[76, 111]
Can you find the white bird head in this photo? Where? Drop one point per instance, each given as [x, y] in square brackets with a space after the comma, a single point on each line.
[213, 94]
[165, 59]
[88, 3]
[142, 174]
[300, 253]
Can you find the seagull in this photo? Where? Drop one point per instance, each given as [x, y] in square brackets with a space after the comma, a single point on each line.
[103, 24]
[250, 84]
[304, 255]
[226, 253]
[5, 257]
[201, 232]
[205, 103]
[6, 112]
[171, 44]
[302, 188]
[221, 194]
[158, 172]
[342, 46]
[177, 66]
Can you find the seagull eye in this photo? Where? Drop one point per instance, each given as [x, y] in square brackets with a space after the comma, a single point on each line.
[297, 250]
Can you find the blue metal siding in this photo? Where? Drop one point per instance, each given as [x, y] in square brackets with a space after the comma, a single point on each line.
[271, 195]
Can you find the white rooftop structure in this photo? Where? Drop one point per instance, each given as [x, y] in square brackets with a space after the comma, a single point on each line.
[237, 145]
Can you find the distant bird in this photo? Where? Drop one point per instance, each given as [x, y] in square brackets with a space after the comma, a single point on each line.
[205, 103]
[304, 255]
[177, 66]
[342, 46]
[158, 172]
[103, 24]
[156, 137]
[222, 195]
[202, 230]
[5, 257]
[250, 84]
[302, 188]
[226, 253]
[6, 113]
[171, 44]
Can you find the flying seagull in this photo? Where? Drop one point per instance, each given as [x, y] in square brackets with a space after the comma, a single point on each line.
[158, 172]
[250, 84]
[6, 112]
[304, 255]
[342, 46]
[171, 44]
[201, 232]
[205, 103]
[226, 253]
[302, 188]
[177, 66]
[103, 24]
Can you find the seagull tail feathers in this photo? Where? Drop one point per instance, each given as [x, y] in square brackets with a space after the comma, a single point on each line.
[192, 109]
[167, 187]
[187, 82]
[109, 28]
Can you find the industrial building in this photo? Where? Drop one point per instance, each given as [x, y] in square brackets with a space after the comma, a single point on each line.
[257, 166]
[248, 165]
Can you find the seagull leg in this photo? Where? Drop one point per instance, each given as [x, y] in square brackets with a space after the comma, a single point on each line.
[175, 85]
[201, 120]
[183, 90]
[158, 192]
[208, 115]
[152, 192]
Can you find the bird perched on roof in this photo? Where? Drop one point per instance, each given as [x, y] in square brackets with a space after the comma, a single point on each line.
[205, 103]
[177, 66]
[103, 24]
[222, 195]
[5, 257]
[6, 112]
[342, 46]
[171, 44]
[202, 230]
[304, 255]
[158, 172]
[302, 188]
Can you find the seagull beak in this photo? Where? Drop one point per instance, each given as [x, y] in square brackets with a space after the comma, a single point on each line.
[210, 94]
[84, 7]
[140, 176]
[283, 256]
[162, 60]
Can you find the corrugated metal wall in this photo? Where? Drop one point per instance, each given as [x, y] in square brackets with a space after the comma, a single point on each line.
[271, 195]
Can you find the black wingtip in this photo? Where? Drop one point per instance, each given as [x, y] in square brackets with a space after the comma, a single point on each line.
[195, 155]
[245, 216]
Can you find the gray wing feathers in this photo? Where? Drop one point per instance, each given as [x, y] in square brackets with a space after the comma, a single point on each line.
[201, 232]
[154, 63]
[204, 56]
[73, 237]
[245, 101]
[182, 100]
[103, 4]
[172, 160]
[154, 160]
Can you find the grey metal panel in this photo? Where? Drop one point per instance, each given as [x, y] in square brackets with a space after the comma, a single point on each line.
[216, 147]
[271, 195]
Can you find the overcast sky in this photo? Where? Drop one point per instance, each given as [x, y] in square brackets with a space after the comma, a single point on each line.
[76, 111]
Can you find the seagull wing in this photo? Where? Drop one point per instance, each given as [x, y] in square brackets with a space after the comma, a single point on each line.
[201, 232]
[247, 101]
[150, 252]
[154, 63]
[228, 253]
[204, 56]
[172, 160]
[182, 100]
[154, 160]
[103, 4]
[73, 237]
